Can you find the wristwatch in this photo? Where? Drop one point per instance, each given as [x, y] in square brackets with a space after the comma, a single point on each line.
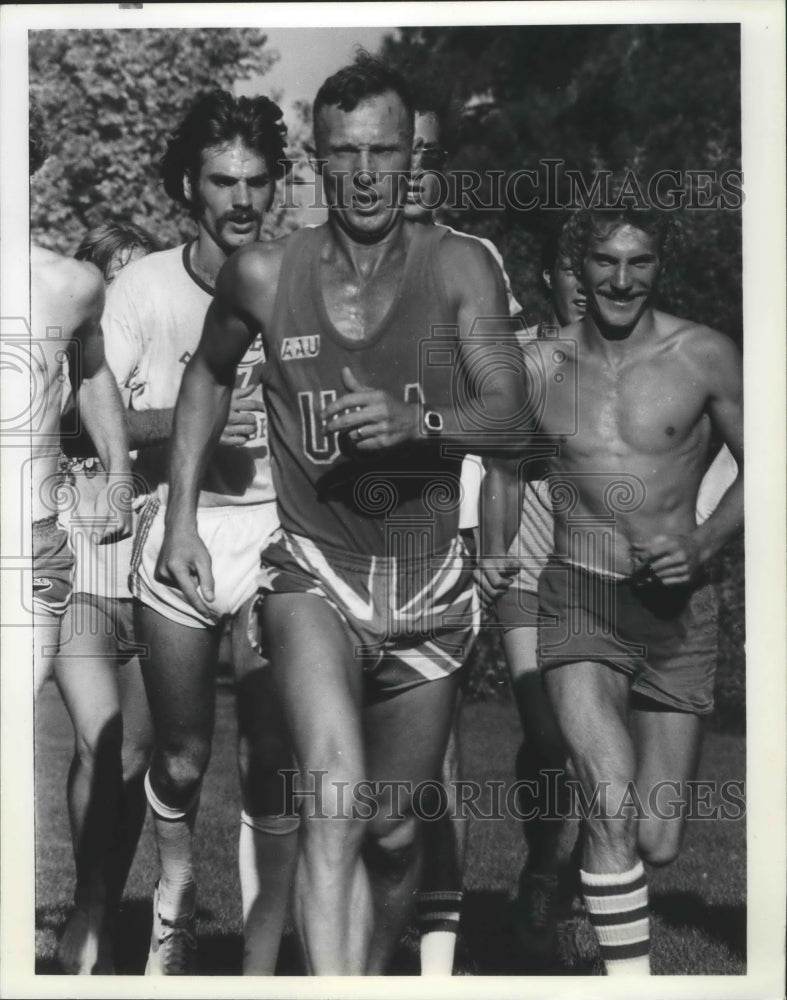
[432, 423]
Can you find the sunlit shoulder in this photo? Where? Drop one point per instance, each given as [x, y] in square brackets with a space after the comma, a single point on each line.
[255, 265]
[74, 281]
[714, 355]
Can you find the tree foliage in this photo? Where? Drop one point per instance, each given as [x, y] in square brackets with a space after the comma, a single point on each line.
[110, 99]
[639, 97]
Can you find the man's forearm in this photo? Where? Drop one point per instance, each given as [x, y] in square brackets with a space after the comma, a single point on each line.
[723, 523]
[146, 428]
[500, 506]
[103, 417]
[200, 415]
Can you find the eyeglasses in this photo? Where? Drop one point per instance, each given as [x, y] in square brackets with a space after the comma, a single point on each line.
[430, 157]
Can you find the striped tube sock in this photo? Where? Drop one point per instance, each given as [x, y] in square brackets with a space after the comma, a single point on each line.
[618, 908]
[438, 922]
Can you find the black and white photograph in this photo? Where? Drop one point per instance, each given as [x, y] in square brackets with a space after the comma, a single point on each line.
[392, 544]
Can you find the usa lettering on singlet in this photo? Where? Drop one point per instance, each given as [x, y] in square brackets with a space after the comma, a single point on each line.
[326, 490]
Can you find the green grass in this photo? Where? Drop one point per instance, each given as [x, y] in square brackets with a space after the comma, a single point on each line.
[699, 903]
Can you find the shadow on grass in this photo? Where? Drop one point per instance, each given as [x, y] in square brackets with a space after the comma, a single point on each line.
[726, 923]
[486, 928]
[132, 936]
[217, 955]
[486, 947]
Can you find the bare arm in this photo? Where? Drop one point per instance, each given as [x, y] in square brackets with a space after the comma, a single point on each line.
[725, 407]
[501, 510]
[498, 394]
[146, 428]
[675, 558]
[202, 408]
[97, 396]
[501, 504]
[154, 427]
[485, 328]
[101, 410]
[200, 415]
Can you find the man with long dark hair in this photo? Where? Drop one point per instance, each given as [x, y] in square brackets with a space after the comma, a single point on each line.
[222, 164]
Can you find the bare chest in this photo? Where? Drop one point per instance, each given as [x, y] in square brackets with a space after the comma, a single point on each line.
[358, 305]
[650, 407]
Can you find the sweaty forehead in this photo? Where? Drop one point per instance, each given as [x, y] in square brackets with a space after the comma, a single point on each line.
[375, 119]
[233, 158]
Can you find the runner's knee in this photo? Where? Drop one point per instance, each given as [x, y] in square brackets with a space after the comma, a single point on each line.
[333, 843]
[104, 739]
[182, 768]
[659, 842]
[390, 845]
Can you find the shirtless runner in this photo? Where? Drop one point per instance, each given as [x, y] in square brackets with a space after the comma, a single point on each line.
[66, 300]
[629, 648]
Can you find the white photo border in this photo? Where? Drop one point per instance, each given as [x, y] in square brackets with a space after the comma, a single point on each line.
[763, 134]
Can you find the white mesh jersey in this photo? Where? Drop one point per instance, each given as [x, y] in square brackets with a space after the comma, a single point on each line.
[152, 323]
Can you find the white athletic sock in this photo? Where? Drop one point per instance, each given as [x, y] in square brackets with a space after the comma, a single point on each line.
[262, 857]
[617, 905]
[174, 829]
[438, 919]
